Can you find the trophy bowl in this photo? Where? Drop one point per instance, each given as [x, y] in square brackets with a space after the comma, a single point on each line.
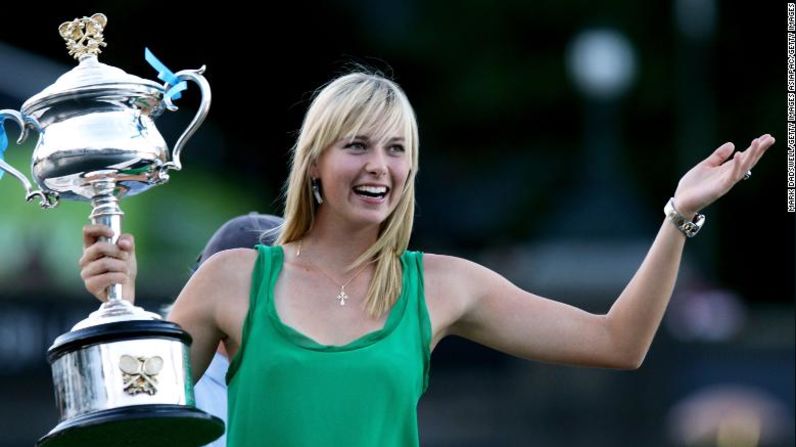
[122, 375]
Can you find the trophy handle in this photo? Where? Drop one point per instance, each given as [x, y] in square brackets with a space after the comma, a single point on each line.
[46, 199]
[204, 87]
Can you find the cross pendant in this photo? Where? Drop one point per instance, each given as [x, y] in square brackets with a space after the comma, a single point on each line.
[342, 297]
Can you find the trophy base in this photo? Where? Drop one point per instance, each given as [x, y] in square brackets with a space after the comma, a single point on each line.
[126, 383]
[140, 425]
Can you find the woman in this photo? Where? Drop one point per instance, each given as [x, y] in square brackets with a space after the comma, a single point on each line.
[331, 330]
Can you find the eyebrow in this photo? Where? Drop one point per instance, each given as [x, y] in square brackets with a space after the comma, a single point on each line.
[365, 138]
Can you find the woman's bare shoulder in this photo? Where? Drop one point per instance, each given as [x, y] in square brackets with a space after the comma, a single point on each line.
[226, 270]
[221, 285]
[447, 282]
[447, 267]
[233, 258]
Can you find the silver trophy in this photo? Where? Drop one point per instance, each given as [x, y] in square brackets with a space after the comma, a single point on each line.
[122, 373]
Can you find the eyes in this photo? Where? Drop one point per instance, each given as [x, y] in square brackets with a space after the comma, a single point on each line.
[361, 146]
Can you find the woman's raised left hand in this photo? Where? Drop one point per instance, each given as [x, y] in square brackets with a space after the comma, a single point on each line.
[716, 175]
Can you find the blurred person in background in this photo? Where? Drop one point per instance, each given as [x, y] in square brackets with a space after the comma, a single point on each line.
[331, 329]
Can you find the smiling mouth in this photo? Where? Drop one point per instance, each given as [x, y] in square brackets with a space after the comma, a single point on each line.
[373, 192]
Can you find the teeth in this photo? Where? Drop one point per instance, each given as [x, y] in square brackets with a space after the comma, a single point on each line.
[372, 189]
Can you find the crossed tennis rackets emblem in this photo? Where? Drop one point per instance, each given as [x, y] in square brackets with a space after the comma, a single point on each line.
[139, 374]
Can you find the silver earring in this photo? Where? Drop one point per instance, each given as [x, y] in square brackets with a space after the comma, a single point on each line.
[316, 190]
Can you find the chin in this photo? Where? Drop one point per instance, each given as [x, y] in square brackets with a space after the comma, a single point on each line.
[371, 216]
[369, 219]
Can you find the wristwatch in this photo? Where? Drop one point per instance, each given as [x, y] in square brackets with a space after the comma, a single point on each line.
[689, 227]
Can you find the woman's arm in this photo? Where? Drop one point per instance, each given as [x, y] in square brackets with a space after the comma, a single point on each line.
[492, 311]
[496, 313]
[213, 304]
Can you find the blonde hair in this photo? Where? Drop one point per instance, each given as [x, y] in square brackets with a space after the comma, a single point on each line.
[340, 109]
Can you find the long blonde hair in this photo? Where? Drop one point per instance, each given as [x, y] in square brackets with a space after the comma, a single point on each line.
[340, 109]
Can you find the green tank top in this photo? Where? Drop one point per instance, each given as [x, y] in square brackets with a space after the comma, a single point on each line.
[287, 390]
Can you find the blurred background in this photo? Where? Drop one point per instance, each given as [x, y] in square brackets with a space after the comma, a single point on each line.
[552, 135]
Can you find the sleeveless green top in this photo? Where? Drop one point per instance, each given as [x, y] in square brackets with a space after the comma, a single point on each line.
[287, 390]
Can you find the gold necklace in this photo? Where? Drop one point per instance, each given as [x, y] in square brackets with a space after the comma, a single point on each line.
[342, 296]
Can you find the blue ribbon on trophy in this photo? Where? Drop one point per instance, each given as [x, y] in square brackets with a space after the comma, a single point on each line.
[166, 75]
[3, 143]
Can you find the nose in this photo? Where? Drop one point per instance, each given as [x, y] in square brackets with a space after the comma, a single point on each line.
[377, 163]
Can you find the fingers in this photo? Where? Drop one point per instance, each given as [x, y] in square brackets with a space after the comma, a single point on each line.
[104, 263]
[100, 250]
[104, 266]
[98, 285]
[740, 160]
[100, 274]
[746, 160]
[92, 232]
[720, 154]
[763, 143]
[127, 243]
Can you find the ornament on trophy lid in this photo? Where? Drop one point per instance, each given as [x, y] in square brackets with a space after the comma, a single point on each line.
[84, 36]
